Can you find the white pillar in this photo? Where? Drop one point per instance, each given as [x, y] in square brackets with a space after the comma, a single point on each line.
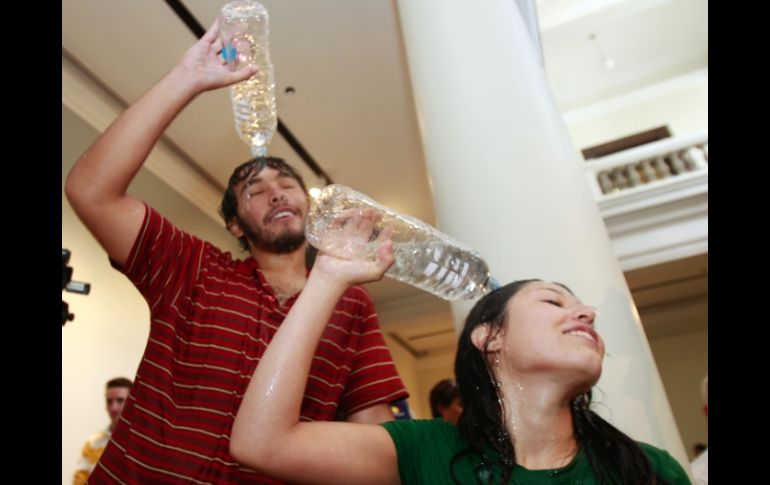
[507, 180]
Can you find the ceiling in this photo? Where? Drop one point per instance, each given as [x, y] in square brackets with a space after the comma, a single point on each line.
[352, 106]
[671, 297]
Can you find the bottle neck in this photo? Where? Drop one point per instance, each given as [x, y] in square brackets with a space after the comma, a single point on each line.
[258, 151]
[491, 284]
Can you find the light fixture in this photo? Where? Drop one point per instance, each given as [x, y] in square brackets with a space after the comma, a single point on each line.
[607, 62]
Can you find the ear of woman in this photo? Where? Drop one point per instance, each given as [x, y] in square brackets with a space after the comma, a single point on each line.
[484, 340]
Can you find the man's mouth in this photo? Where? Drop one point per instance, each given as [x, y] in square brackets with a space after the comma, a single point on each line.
[280, 214]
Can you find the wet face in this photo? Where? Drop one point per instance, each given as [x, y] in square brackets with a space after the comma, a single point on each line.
[271, 211]
[115, 398]
[548, 330]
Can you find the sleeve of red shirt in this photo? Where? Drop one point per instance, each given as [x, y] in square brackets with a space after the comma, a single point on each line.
[164, 261]
[374, 378]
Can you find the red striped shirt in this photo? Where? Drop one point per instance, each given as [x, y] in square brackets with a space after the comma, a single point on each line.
[212, 318]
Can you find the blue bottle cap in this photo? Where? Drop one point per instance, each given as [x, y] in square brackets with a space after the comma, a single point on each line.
[228, 53]
[493, 284]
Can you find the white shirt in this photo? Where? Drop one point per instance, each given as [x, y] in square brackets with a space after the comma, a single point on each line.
[700, 468]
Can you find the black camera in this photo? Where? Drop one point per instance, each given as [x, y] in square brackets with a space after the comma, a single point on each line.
[69, 285]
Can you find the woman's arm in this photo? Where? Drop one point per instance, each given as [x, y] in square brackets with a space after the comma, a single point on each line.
[267, 434]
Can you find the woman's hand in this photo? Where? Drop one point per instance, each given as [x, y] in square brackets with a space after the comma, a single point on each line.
[354, 258]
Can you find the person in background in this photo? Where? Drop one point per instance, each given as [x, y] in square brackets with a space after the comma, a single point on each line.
[445, 401]
[115, 395]
[700, 465]
[698, 448]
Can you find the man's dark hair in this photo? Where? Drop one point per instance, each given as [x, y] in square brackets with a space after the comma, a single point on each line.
[229, 207]
[120, 382]
[442, 395]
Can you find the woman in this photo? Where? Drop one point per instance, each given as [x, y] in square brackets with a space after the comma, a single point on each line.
[527, 359]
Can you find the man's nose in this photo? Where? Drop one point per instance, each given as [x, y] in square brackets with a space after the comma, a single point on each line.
[277, 197]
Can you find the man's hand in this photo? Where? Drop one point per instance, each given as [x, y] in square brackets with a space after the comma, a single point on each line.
[207, 68]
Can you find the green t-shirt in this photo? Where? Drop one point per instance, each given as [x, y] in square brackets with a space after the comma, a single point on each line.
[425, 449]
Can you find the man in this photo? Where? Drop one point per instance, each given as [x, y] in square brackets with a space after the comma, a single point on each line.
[115, 396]
[213, 316]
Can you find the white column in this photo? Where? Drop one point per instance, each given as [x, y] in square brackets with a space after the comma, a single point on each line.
[507, 180]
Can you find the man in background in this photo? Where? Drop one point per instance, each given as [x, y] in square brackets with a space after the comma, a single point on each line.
[115, 396]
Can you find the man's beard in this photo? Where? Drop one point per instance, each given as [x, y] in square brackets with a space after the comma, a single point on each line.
[285, 242]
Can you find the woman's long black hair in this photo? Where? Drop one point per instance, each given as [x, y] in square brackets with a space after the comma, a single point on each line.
[613, 456]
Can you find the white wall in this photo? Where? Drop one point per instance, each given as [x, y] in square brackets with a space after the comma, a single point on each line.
[111, 324]
[680, 103]
[682, 362]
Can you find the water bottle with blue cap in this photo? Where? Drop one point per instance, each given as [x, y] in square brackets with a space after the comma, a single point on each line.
[244, 31]
[424, 256]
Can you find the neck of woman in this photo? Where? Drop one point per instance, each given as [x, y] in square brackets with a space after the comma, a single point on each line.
[538, 420]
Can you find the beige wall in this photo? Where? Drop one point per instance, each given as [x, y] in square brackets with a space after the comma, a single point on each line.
[431, 371]
[111, 324]
[420, 375]
[682, 362]
[405, 364]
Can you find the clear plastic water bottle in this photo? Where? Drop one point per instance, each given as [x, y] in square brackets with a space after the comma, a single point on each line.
[425, 257]
[244, 31]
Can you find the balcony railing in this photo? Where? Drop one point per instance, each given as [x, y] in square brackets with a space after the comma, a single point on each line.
[651, 165]
[654, 199]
